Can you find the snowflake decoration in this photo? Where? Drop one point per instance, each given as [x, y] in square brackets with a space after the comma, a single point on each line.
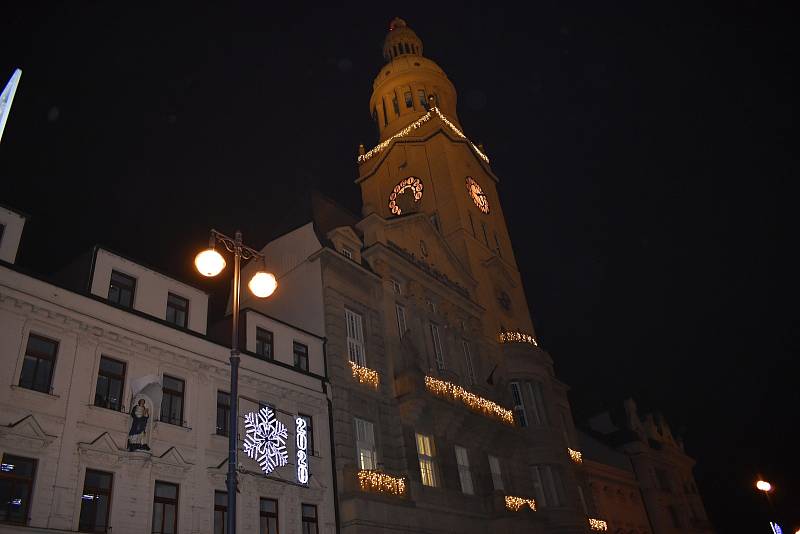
[265, 439]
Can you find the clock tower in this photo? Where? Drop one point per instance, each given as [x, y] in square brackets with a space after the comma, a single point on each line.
[424, 163]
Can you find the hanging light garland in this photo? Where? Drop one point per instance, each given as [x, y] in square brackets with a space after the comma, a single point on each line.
[381, 482]
[576, 456]
[516, 337]
[413, 126]
[598, 524]
[365, 375]
[515, 504]
[474, 402]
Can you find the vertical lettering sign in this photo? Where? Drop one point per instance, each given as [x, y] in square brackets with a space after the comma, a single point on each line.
[302, 455]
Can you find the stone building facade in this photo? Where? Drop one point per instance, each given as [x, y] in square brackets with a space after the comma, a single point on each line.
[72, 358]
[447, 415]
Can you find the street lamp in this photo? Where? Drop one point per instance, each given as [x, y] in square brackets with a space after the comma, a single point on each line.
[764, 486]
[210, 263]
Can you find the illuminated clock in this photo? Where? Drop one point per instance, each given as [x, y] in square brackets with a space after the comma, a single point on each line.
[405, 195]
[477, 195]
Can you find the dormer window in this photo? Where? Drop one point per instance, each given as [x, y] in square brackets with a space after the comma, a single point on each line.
[347, 253]
[121, 289]
[177, 310]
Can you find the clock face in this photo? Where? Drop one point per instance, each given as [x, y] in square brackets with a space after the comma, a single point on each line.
[477, 195]
[405, 195]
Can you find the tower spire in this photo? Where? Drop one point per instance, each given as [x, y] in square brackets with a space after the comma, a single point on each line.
[401, 40]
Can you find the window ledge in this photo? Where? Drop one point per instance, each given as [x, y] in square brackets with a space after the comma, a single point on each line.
[102, 409]
[35, 392]
[172, 425]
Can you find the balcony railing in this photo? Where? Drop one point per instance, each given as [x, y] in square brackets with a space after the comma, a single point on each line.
[598, 525]
[516, 337]
[472, 401]
[515, 504]
[575, 456]
[365, 375]
[381, 482]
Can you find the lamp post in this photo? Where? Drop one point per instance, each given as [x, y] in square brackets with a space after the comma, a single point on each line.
[210, 263]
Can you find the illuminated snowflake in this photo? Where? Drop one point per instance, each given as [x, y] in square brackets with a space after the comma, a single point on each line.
[265, 439]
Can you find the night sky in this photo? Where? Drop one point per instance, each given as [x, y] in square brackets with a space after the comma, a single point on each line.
[643, 150]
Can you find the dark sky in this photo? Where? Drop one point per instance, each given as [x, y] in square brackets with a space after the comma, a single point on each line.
[643, 150]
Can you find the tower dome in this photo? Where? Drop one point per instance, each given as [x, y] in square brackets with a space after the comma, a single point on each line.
[409, 84]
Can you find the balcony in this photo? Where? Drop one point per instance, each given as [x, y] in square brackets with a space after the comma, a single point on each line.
[365, 375]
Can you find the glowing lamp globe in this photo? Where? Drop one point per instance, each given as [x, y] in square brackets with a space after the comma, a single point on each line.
[763, 485]
[209, 262]
[263, 284]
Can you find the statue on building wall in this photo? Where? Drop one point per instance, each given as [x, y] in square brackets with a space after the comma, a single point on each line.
[138, 435]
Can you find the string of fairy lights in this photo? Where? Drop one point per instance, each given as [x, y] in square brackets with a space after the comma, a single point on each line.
[575, 456]
[381, 482]
[472, 401]
[516, 337]
[515, 504]
[413, 126]
[598, 525]
[365, 375]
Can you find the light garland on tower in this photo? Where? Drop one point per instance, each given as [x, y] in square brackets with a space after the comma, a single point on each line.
[474, 402]
[365, 375]
[416, 124]
[598, 524]
[515, 504]
[381, 482]
[516, 337]
[576, 456]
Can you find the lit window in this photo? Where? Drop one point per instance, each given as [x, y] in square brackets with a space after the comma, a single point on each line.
[300, 356]
[365, 444]
[121, 289]
[165, 508]
[172, 400]
[223, 413]
[536, 390]
[37, 368]
[470, 370]
[437, 347]
[427, 462]
[264, 346]
[401, 319]
[16, 485]
[110, 381]
[355, 338]
[497, 476]
[462, 459]
[177, 310]
[268, 516]
[519, 406]
[95, 501]
[309, 518]
[220, 511]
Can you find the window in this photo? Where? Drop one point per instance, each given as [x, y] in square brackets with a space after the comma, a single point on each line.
[268, 516]
[396, 287]
[121, 289]
[165, 508]
[409, 99]
[462, 459]
[172, 400]
[2, 231]
[223, 413]
[437, 347]
[347, 253]
[16, 484]
[485, 237]
[423, 101]
[546, 486]
[309, 517]
[220, 511]
[471, 225]
[355, 337]
[662, 480]
[95, 501]
[110, 381]
[395, 106]
[264, 346]
[309, 432]
[177, 310]
[564, 431]
[435, 222]
[385, 117]
[536, 389]
[469, 369]
[427, 465]
[365, 444]
[497, 475]
[519, 407]
[37, 368]
[300, 356]
[401, 319]
[583, 500]
[676, 518]
[497, 243]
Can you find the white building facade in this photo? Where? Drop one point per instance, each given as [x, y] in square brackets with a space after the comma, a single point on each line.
[70, 361]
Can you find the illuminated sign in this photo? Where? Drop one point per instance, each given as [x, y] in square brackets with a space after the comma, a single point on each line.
[265, 439]
[776, 528]
[301, 441]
